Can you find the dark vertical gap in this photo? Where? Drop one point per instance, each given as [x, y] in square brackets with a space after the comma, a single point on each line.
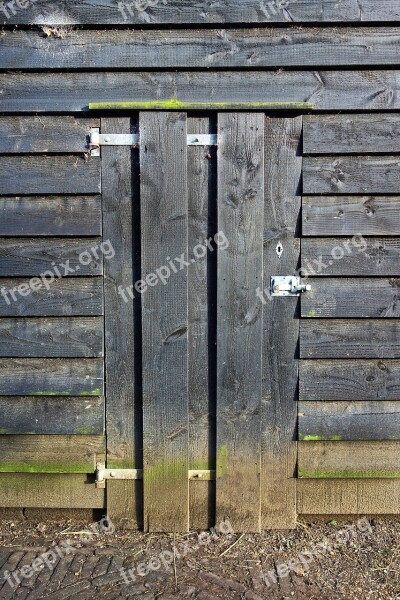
[212, 317]
[137, 316]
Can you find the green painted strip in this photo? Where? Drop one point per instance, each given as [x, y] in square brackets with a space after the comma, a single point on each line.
[174, 104]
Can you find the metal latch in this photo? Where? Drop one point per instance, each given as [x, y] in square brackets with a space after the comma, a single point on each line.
[288, 285]
[98, 139]
[102, 474]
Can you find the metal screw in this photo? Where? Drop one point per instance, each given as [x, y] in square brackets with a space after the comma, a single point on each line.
[113, 474]
[276, 289]
[106, 139]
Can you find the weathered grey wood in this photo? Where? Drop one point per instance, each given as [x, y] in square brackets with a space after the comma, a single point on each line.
[164, 212]
[50, 454]
[348, 497]
[351, 134]
[52, 415]
[349, 380]
[202, 207]
[281, 324]
[354, 255]
[52, 337]
[344, 297]
[328, 90]
[204, 48]
[51, 377]
[374, 420]
[53, 215]
[22, 257]
[49, 175]
[347, 215]
[19, 135]
[122, 402]
[239, 318]
[46, 298]
[350, 338]
[348, 460]
[40, 490]
[351, 175]
[226, 11]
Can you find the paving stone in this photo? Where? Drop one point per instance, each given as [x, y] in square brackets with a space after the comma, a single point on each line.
[69, 591]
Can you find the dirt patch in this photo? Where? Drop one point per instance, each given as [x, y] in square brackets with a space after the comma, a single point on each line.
[327, 559]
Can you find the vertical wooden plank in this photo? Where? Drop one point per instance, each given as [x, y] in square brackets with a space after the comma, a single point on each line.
[202, 187]
[281, 323]
[239, 321]
[119, 322]
[164, 211]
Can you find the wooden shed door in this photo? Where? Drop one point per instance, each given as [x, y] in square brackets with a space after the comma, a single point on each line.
[201, 390]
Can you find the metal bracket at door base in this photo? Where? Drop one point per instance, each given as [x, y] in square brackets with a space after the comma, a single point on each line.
[288, 285]
[102, 474]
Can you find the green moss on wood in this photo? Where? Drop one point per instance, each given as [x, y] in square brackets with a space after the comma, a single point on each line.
[95, 392]
[175, 104]
[43, 467]
[347, 474]
[222, 461]
[319, 438]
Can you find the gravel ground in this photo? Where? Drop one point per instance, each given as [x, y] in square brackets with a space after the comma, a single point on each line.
[326, 560]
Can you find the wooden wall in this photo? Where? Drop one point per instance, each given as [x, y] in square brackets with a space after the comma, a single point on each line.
[55, 203]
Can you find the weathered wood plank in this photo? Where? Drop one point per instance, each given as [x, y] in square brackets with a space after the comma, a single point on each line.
[19, 135]
[348, 497]
[119, 198]
[49, 175]
[345, 298]
[45, 297]
[205, 48]
[226, 11]
[352, 256]
[164, 211]
[202, 207]
[351, 134]
[22, 257]
[239, 318]
[50, 216]
[202, 504]
[374, 420]
[50, 454]
[52, 415]
[40, 490]
[349, 380]
[51, 377]
[281, 324]
[350, 338]
[348, 460]
[341, 215]
[52, 337]
[329, 90]
[351, 175]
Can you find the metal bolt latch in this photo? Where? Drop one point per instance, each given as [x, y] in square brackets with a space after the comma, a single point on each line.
[288, 285]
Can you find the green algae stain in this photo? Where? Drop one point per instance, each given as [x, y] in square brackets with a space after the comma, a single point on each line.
[346, 474]
[222, 461]
[175, 104]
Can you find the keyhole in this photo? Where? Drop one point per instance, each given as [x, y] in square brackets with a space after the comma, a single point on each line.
[279, 249]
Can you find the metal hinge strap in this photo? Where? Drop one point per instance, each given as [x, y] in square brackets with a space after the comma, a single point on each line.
[103, 474]
[98, 139]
